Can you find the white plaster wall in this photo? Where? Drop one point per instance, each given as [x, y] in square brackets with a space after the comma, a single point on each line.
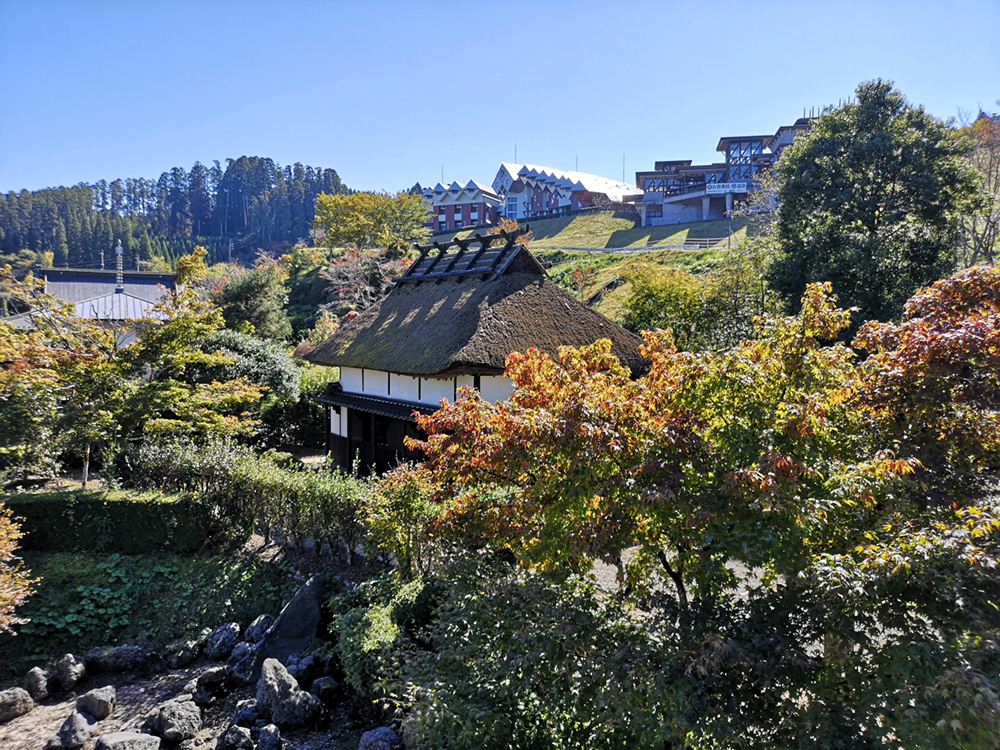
[376, 383]
[338, 420]
[495, 388]
[465, 380]
[435, 389]
[350, 379]
[404, 387]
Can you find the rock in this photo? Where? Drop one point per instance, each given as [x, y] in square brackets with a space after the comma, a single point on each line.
[303, 669]
[73, 733]
[13, 703]
[326, 689]
[213, 677]
[260, 626]
[154, 664]
[280, 698]
[240, 651]
[220, 641]
[38, 684]
[99, 703]
[235, 738]
[118, 659]
[382, 738]
[69, 671]
[127, 741]
[182, 654]
[246, 713]
[270, 738]
[291, 633]
[174, 720]
[210, 685]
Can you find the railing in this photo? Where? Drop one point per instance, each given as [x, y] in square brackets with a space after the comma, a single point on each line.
[695, 243]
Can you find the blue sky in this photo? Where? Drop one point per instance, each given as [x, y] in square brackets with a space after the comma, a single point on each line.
[388, 93]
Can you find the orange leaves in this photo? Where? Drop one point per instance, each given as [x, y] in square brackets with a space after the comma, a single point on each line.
[932, 382]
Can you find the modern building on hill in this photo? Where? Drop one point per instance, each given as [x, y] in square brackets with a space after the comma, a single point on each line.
[449, 321]
[678, 191]
[528, 190]
[457, 206]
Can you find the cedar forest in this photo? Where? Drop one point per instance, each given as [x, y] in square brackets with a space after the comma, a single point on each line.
[798, 499]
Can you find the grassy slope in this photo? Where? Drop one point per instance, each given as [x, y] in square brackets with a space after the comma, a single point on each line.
[610, 230]
[607, 229]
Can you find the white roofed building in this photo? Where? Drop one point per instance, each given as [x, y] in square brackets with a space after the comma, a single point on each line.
[456, 206]
[528, 190]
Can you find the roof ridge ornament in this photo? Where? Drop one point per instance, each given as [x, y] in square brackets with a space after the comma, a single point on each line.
[461, 257]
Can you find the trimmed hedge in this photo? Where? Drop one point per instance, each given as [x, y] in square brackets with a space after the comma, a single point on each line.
[129, 523]
[248, 487]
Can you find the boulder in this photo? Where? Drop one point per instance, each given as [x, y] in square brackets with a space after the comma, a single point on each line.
[98, 703]
[73, 733]
[383, 738]
[182, 654]
[326, 689]
[220, 642]
[13, 703]
[175, 720]
[280, 699]
[246, 713]
[117, 660]
[291, 633]
[127, 741]
[69, 671]
[38, 684]
[269, 739]
[241, 651]
[303, 668]
[260, 626]
[235, 738]
[210, 685]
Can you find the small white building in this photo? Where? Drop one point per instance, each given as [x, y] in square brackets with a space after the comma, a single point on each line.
[528, 190]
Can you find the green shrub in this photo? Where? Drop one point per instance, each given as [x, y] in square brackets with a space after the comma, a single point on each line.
[365, 639]
[378, 623]
[127, 522]
[397, 514]
[245, 486]
[517, 660]
[301, 421]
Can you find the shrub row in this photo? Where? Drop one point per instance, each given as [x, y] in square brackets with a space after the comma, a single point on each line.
[128, 523]
[248, 487]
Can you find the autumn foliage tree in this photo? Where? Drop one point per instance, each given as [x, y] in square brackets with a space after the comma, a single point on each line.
[859, 492]
[15, 584]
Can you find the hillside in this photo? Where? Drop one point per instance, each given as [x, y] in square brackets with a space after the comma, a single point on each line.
[560, 243]
[607, 229]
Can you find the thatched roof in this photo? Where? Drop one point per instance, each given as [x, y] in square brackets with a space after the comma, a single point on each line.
[468, 319]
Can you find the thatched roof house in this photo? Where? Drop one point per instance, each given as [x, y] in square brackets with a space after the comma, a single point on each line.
[450, 320]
